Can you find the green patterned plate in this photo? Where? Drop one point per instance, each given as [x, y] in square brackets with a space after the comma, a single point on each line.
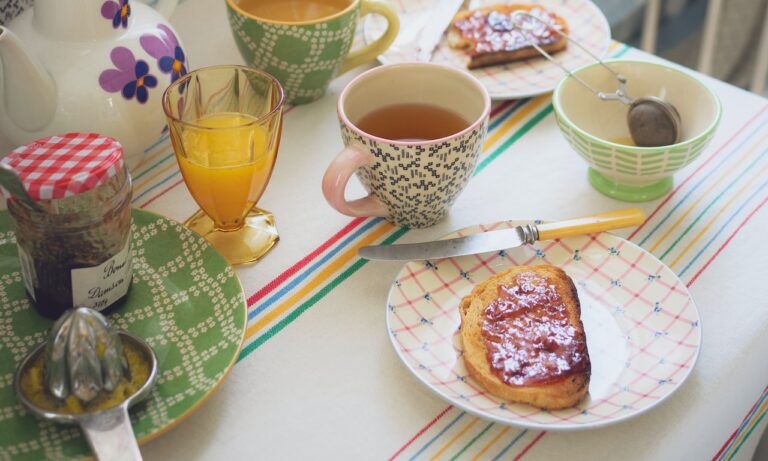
[186, 301]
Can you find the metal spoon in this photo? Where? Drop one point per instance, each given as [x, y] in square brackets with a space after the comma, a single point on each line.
[108, 432]
[652, 121]
[10, 180]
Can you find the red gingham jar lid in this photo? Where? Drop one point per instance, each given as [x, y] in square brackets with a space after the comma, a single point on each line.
[65, 165]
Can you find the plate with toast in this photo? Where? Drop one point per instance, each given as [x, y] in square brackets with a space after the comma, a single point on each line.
[484, 40]
[568, 334]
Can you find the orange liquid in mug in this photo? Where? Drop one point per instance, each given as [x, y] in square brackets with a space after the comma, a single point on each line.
[293, 10]
[226, 170]
[412, 122]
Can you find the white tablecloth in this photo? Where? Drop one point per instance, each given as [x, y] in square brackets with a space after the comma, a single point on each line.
[318, 378]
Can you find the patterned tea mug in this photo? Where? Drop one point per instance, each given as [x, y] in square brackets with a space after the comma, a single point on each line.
[305, 56]
[411, 183]
[9, 9]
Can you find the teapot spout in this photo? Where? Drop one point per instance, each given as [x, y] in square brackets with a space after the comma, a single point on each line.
[28, 96]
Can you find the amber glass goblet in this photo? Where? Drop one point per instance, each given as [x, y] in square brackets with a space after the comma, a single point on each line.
[225, 124]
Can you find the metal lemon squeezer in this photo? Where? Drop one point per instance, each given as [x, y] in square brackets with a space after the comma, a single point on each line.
[84, 358]
[652, 121]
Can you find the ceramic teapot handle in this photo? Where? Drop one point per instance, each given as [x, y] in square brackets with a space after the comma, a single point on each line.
[164, 7]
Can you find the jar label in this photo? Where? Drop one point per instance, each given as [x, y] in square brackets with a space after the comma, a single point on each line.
[27, 272]
[100, 286]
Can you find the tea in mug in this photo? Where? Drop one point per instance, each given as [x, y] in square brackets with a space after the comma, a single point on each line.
[293, 10]
[412, 122]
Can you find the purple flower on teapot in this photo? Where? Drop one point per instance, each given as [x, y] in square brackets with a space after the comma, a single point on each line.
[164, 47]
[116, 10]
[131, 77]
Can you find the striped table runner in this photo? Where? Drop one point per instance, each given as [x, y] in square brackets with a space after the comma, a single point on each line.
[688, 230]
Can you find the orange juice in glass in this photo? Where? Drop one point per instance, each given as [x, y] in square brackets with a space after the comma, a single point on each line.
[225, 125]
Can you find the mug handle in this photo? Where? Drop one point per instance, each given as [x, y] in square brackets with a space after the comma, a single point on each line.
[369, 52]
[335, 182]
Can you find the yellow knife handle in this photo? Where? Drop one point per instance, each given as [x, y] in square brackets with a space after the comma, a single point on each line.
[591, 224]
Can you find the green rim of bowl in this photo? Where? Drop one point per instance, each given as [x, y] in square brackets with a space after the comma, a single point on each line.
[705, 133]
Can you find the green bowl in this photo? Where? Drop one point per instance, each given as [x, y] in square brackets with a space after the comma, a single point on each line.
[597, 130]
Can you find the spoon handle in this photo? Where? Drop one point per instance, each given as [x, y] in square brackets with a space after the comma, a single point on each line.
[110, 435]
[9, 178]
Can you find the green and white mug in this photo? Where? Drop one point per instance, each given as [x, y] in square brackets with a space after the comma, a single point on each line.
[306, 55]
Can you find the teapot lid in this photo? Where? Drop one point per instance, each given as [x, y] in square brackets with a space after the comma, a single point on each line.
[65, 165]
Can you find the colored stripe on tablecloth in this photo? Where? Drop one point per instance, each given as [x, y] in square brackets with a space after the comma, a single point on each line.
[739, 170]
[471, 442]
[506, 448]
[741, 434]
[276, 282]
[418, 434]
[715, 154]
[158, 168]
[275, 319]
[368, 224]
[455, 437]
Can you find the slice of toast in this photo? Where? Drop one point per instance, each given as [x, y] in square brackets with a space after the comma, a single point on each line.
[489, 36]
[523, 337]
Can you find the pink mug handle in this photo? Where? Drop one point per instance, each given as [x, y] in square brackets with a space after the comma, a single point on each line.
[335, 182]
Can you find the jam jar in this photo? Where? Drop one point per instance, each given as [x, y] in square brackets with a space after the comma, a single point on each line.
[77, 252]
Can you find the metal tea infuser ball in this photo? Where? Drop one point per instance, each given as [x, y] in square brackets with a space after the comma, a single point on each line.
[652, 121]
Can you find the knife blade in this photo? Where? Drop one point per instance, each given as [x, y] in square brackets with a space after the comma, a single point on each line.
[471, 244]
[432, 33]
[504, 239]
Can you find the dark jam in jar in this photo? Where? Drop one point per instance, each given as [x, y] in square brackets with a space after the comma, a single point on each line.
[78, 251]
[528, 336]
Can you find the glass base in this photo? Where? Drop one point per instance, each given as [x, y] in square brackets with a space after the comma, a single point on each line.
[629, 193]
[245, 245]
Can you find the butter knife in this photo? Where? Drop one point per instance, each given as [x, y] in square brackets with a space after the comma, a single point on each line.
[432, 33]
[504, 239]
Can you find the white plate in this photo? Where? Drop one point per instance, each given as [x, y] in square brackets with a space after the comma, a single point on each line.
[586, 23]
[643, 329]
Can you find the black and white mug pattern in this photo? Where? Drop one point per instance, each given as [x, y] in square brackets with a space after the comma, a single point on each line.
[9, 9]
[417, 183]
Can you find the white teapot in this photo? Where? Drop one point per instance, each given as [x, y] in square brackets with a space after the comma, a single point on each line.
[91, 66]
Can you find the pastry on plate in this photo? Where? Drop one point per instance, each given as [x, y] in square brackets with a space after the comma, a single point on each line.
[489, 35]
[523, 337]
